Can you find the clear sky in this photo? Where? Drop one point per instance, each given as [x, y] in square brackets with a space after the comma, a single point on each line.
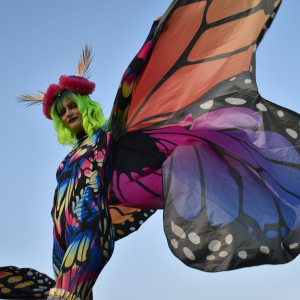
[41, 40]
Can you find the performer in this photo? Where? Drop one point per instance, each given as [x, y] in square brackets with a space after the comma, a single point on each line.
[187, 105]
[83, 231]
[84, 234]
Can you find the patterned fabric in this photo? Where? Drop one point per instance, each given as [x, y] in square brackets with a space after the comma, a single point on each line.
[23, 283]
[126, 219]
[117, 120]
[83, 231]
[189, 134]
[228, 159]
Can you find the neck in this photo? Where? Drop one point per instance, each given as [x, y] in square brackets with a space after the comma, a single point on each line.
[80, 135]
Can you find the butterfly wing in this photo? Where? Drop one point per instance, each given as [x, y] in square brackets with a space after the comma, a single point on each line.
[183, 65]
[24, 283]
[127, 219]
[231, 196]
[197, 124]
[201, 45]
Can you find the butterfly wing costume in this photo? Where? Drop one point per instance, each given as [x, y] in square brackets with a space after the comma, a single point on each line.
[228, 159]
[190, 134]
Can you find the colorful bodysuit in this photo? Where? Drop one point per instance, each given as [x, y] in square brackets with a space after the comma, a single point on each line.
[83, 232]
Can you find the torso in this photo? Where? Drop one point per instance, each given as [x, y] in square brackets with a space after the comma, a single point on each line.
[78, 179]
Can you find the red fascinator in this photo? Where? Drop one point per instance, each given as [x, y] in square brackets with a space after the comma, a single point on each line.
[75, 84]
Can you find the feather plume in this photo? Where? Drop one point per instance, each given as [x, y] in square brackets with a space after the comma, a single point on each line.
[32, 99]
[84, 63]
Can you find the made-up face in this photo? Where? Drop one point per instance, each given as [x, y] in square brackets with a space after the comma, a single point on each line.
[71, 116]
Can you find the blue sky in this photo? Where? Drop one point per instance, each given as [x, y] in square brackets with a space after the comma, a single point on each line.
[41, 40]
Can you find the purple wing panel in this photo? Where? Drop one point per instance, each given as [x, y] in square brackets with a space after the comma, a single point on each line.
[242, 206]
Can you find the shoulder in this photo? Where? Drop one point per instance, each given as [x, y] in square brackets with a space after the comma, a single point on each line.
[100, 138]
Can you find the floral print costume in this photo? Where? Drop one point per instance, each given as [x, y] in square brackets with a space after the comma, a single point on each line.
[83, 231]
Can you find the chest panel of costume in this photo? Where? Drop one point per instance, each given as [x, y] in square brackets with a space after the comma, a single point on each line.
[78, 184]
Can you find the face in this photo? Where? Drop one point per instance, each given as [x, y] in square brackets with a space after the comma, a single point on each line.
[71, 116]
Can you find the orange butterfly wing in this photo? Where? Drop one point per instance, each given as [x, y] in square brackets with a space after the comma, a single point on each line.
[202, 43]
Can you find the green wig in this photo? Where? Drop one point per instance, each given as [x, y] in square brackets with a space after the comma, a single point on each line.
[90, 111]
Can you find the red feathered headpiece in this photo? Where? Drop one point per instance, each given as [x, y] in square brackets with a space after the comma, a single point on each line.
[73, 84]
[76, 84]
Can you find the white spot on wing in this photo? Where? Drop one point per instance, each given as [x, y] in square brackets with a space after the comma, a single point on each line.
[188, 253]
[214, 246]
[211, 257]
[265, 249]
[194, 238]
[229, 239]
[174, 243]
[235, 101]
[293, 246]
[292, 133]
[261, 107]
[242, 254]
[207, 105]
[177, 231]
[280, 113]
[223, 254]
